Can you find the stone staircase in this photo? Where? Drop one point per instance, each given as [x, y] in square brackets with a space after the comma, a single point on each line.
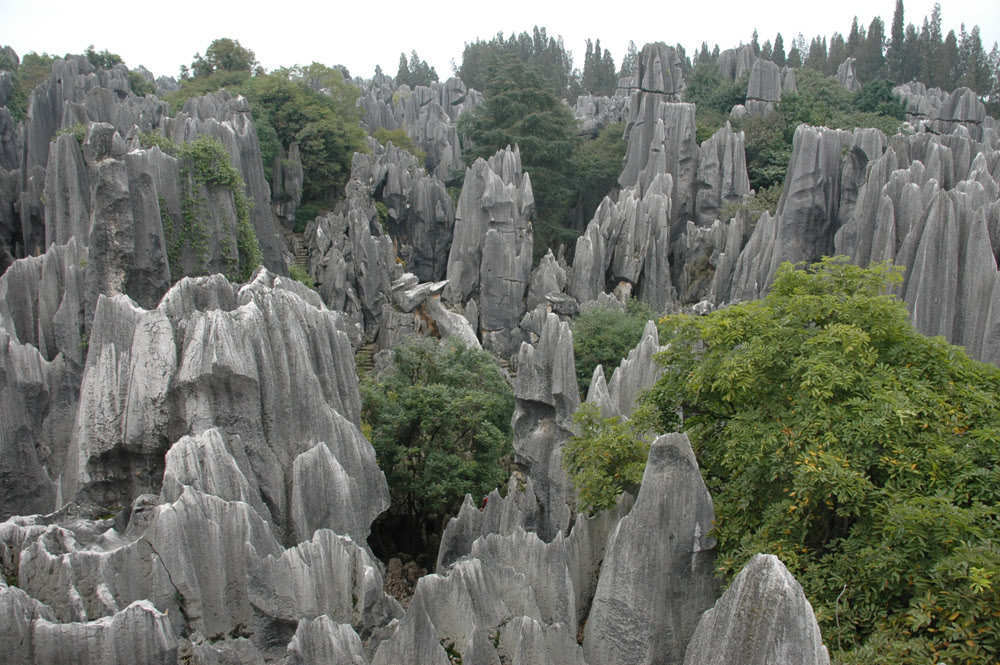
[297, 246]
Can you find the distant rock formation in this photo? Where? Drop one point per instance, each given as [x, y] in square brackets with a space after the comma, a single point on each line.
[847, 75]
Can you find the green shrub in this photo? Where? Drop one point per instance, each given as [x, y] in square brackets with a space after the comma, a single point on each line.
[400, 139]
[306, 213]
[863, 454]
[604, 336]
[608, 456]
[300, 274]
[439, 419]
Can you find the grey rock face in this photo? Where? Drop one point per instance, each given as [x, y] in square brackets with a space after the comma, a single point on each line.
[661, 139]
[286, 185]
[821, 184]
[41, 330]
[596, 113]
[420, 213]
[660, 552]
[546, 396]
[763, 617]
[233, 367]
[764, 88]
[660, 71]
[139, 633]
[351, 257]
[722, 174]
[479, 604]
[490, 259]
[847, 75]
[228, 119]
[929, 204]
[734, 62]
[500, 515]
[321, 640]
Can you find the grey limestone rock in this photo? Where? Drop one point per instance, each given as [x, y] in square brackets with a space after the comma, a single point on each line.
[929, 204]
[234, 365]
[499, 515]
[657, 577]
[490, 258]
[595, 113]
[545, 565]
[661, 139]
[722, 174]
[763, 617]
[733, 63]
[659, 71]
[322, 640]
[546, 395]
[764, 88]
[286, 185]
[548, 277]
[463, 614]
[847, 75]
[228, 119]
[139, 633]
[636, 373]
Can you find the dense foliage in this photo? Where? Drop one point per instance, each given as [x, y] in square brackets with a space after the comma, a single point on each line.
[518, 109]
[819, 101]
[604, 336]
[415, 72]
[608, 456]
[863, 454]
[599, 74]
[32, 70]
[312, 106]
[546, 55]
[439, 420]
[597, 163]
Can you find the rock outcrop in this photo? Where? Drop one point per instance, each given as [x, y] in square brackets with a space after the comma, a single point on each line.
[847, 75]
[660, 552]
[763, 617]
[490, 258]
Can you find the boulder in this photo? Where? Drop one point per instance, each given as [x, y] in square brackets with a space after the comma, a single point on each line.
[847, 75]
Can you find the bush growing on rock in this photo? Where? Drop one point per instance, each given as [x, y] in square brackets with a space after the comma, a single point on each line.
[863, 454]
[440, 422]
[605, 335]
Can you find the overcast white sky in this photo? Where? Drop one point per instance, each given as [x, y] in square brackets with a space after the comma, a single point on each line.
[360, 35]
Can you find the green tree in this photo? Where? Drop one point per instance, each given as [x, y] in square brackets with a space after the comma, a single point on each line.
[223, 55]
[604, 336]
[519, 109]
[439, 419]
[546, 55]
[630, 63]
[608, 456]
[779, 51]
[894, 54]
[863, 454]
[415, 72]
[32, 70]
[871, 58]
[324, 124]
[597, 164]
[103, 59]
[599, 75]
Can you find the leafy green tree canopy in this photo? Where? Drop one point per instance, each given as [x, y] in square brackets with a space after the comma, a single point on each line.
[604, 336]
[865, 455]
[415, 72]
[440, 423]
[222, 55]
[519, 109]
